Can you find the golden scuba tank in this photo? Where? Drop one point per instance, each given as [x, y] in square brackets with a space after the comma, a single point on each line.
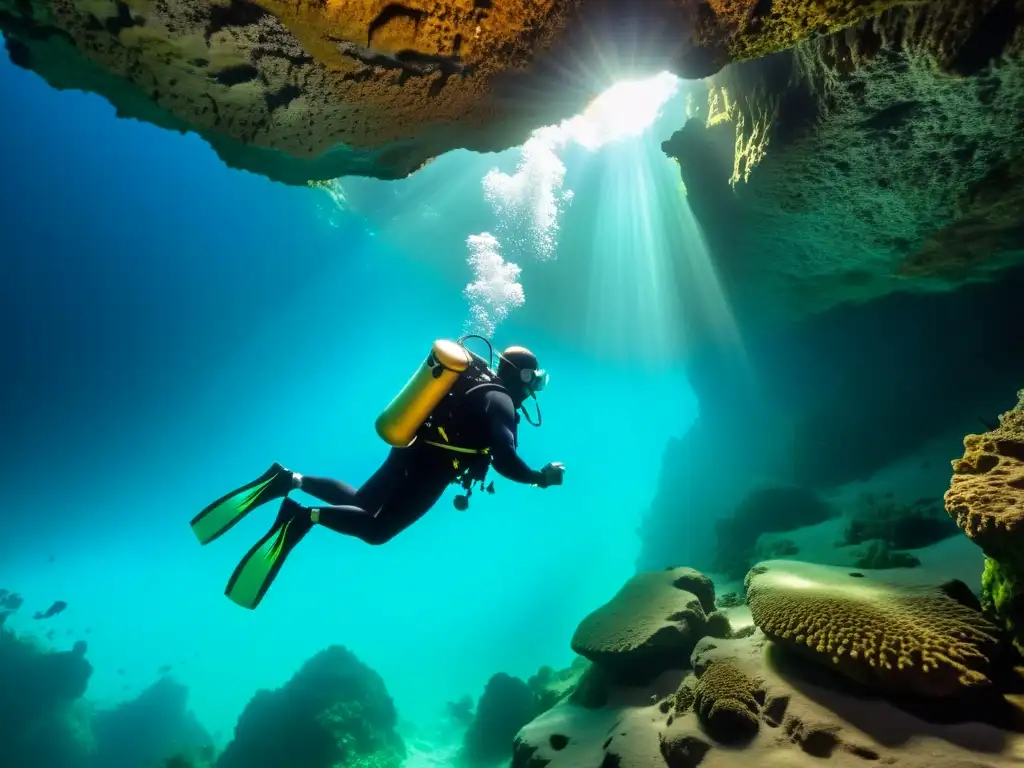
[403, 417]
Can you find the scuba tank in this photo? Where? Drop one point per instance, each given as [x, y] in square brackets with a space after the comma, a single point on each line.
[401, 420]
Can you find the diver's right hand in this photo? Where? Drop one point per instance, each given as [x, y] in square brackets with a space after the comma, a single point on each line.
[552, 474]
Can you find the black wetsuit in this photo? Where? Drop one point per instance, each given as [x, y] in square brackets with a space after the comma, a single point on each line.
[411, 480]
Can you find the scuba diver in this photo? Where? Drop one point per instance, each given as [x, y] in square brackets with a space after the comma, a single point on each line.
[453, 420]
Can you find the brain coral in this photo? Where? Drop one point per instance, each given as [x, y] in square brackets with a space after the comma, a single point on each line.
[726, 702]
[895, 638]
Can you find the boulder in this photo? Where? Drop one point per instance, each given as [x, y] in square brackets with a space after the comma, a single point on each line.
[334, 712]
[650, 625]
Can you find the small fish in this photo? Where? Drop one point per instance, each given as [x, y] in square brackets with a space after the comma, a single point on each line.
[51, 559]
[120, 671]
[164, 669]
[53, 610]
[10, 600]
[51, 634]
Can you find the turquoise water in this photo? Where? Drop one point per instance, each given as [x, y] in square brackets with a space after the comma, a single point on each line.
[173, 326]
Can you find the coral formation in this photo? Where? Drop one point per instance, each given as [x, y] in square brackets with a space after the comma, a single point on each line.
[334, 712]
[916, 639]
[506, 705]
[650, 625]
[302, 92]
[743, 701]
[765, 510]
[986, 499]
[726, 701]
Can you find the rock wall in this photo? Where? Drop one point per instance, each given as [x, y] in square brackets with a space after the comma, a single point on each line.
[830, 401]
[885, 158]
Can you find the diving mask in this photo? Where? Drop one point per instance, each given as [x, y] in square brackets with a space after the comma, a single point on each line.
[535, 380]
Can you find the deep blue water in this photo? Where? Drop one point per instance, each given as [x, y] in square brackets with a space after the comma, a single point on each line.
[171, 326]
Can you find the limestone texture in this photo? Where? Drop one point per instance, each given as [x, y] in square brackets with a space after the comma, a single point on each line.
[307, 92]
[887, 157]
[905, 640]
[769, 709]
[986, 499]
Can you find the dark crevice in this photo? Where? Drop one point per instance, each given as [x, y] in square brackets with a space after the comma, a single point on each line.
[437, 86]
[236, 75]
[390, 13]
[761, 9]
[123, 20]
[892, 116]
[297, 59]
[1012, 448]
[237, 13]
[12, 25]
[412, 62]
[283, 97]
[988, 40]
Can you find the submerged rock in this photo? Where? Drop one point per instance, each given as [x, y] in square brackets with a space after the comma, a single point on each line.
[42, 721]
[746, 703]
[507, 704]
[652, 624]
[920, 640]
[157, 724]
[335, 712]
[766, 510]
[900, 525]
[986, 499]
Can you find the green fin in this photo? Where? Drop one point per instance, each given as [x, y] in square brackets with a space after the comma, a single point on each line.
[258, 569]
[221, 515]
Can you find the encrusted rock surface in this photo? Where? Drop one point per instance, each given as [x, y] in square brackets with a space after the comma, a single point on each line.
[986, 499]
[887, 157]
[650, 625]
[792, 715]
[302, 92]
[919, 640]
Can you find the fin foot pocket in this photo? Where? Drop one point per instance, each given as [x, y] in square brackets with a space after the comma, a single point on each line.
[260, 566]
[220, 516]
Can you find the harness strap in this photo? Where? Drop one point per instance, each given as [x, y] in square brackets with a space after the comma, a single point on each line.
[456, 448]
